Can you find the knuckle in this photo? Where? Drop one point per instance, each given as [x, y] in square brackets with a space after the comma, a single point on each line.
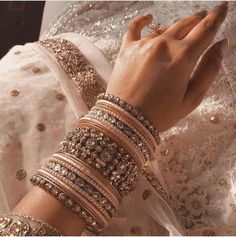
[160, 43]
[210, 25]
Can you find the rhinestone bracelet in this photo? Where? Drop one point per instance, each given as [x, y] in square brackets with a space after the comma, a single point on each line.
[140, 142]
[128, 107]
[74, 176]
[116, 134]
[61, 192]
[129, 120]
[14, 224]
[103, 155]
[78, 167]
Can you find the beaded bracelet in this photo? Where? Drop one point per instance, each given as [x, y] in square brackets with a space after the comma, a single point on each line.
[128, 107]
[69, 198]
[13, 224]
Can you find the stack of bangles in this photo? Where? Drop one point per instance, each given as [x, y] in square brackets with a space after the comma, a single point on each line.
[99, 162]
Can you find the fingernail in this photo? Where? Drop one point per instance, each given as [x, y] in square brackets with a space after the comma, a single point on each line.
[223, 46]
[202, 13]
[223, 5]
[148, 15]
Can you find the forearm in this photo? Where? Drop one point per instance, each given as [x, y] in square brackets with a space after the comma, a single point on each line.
[38, 203]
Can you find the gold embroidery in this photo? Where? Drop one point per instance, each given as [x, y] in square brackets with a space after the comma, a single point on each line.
[209, 232]
[22, 225]
[59, 96]
[17, 52]
[146, 194]
[14, 93]
[40, 127]
[36, 70]
[78, 69]
[20, 174]
[136, 230]
[214, 119]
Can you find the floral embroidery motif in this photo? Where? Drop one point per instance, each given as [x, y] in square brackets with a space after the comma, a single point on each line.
[59, 96]
[78, 69]
[14, 93]
[146, 194]
[20, 174]
[40, 127]
[136, 230]
[36, 70]
[191, 202]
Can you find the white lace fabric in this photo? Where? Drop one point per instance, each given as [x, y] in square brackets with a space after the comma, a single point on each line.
[196, 161]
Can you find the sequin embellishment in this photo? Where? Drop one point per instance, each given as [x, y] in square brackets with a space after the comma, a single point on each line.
[20, 174]
[78, 69]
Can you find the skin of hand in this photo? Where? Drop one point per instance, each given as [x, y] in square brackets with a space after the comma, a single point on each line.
[153, 74]
[157, 73]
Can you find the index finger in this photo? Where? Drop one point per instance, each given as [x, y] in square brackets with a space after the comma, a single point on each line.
[203, 33]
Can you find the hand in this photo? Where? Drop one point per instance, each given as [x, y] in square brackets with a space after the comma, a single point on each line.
[155, 73]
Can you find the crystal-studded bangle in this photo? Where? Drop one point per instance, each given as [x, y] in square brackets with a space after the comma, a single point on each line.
[114, 133]
[14, 224]
[69, 198]
[128, 107]
[103, 154]
[124, 126]
[84, 183]
[93, 178]
[127, 119]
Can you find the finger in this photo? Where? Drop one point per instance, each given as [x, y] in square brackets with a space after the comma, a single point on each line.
[157, 32]
[205, 73]
[182, 27]
[202, 35]
[135, 27]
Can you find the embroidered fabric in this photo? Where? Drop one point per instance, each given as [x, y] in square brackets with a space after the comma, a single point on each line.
[22, 225]
[76, 66]
[196, 162]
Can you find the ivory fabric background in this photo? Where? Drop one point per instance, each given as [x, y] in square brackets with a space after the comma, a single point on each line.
[196, 161]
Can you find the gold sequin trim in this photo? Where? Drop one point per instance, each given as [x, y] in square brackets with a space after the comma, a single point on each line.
[20, 174]
[21, 225]
[146, 194]
[36, 70]
[77, 67]
[214, 119]
[136, 230]
[14, 93]
[59, 96]
[40, 127]
[17, 52]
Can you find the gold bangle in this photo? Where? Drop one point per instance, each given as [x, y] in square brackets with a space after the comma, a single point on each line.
[92, 176]
[112, 132]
